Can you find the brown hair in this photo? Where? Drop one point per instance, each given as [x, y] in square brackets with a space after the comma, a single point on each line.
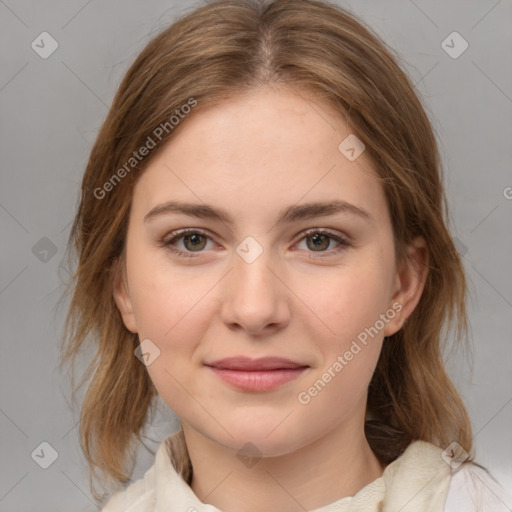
[226, 48]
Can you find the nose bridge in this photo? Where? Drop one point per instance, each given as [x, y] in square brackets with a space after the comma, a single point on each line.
[252, 273]
[254, 297]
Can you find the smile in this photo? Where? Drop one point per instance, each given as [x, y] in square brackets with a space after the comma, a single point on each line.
[256, 374]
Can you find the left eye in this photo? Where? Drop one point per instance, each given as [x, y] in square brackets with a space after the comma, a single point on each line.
[322, 240]
[194, 241]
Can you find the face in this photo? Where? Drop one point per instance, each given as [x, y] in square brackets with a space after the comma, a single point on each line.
[319, 290]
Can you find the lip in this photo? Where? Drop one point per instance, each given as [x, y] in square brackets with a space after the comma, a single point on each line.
[260, 374]
[259, 364]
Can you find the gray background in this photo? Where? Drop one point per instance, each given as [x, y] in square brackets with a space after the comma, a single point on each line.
[51, 110]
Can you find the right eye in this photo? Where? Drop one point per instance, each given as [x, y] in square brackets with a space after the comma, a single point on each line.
[194, 240]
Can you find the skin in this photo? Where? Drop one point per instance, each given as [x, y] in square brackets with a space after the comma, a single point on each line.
[253, 156]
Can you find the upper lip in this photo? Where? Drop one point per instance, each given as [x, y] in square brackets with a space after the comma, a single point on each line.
[262, 363]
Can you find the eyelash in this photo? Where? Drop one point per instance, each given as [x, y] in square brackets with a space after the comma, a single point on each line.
[168, 243]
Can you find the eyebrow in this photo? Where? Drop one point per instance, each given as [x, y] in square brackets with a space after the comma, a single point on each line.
[289, 214]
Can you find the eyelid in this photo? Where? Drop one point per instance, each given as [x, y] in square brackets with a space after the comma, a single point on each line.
[325, 231]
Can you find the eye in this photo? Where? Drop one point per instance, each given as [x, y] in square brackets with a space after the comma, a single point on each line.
[194, 241]
[321, 239]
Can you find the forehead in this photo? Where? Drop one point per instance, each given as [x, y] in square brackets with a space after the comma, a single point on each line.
[266, 148]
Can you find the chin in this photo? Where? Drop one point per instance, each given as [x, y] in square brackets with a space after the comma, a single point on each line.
[268, 438]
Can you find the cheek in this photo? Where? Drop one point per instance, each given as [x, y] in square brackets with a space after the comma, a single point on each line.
[171, 310]
[163, 297]
[349, 336]
[174, 321]
[349, 299]
[348, 341]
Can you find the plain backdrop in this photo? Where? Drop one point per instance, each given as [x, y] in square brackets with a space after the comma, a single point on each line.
[51, 110]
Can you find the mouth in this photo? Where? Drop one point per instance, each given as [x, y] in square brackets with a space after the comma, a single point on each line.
[261, 374]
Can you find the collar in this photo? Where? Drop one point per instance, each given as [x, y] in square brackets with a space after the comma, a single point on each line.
[416, 481]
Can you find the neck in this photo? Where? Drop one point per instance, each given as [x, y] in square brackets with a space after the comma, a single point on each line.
[333, 467]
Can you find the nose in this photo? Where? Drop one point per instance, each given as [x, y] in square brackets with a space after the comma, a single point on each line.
[256, 299]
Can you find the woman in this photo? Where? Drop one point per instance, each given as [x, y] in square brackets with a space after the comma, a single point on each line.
[262, 243]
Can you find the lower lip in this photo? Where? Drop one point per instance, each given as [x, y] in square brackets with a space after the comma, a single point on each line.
[261, 380]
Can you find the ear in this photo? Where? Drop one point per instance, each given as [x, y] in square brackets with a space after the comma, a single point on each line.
[122, 297]
[409, 284]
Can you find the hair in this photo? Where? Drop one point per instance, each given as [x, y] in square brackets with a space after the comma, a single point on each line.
[216, 52]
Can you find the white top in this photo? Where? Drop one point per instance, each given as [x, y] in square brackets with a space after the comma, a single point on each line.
[417, 481]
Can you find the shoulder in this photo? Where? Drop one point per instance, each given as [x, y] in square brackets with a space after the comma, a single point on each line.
[473, 489]
[139, 496]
